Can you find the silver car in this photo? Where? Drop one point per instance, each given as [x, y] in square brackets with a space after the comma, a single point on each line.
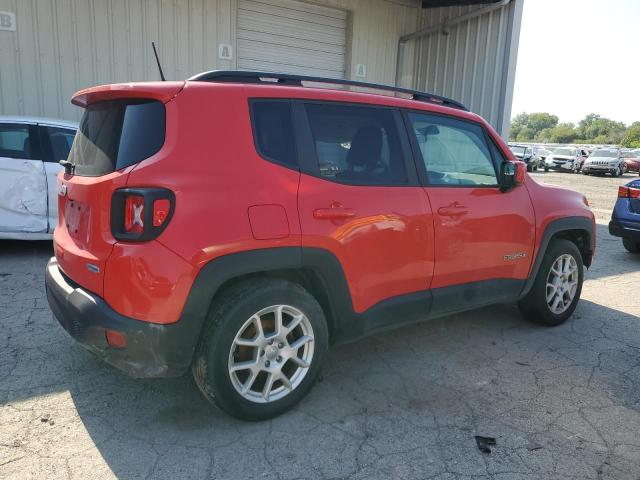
[604, 160]
[30, 149]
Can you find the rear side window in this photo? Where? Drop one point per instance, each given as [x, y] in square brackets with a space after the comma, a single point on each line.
[454, 152]
[116, 134]
[273, 131]
[357, 145]
[17, 141]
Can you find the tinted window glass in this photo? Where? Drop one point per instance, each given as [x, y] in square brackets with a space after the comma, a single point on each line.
[454, 152]
[60, 141]
[357, 144]
[273, 131]
[15, 141]
[116, 134]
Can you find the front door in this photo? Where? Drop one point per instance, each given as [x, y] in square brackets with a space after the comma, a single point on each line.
[361, 202]
[484, 237]
[23, 188]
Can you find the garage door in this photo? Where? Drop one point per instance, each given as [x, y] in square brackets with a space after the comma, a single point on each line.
[291, 37]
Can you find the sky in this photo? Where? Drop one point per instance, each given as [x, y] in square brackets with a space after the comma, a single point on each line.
[578, 57]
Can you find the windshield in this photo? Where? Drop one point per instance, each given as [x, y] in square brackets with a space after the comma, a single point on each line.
[631, 155]
[605, 153]
[518, 151]
[116, 134]
[563, 151]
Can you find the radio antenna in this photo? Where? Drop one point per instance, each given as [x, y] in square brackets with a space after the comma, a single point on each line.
[155, 52]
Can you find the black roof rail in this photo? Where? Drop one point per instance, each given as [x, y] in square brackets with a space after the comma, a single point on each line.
[269, 78]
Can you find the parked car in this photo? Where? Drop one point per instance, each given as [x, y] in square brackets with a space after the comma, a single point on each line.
[527, 155]
[542, 152]
[604, 160]
[219, 241]
[30, 149]
[625, 219]
[631, 160]
[565, 159]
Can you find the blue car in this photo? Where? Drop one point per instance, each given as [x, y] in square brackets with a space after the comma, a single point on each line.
[625, 220]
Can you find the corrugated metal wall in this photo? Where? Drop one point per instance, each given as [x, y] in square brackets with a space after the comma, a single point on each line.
[471, 63]
[61, 46]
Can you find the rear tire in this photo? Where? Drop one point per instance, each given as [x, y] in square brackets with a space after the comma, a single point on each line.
[247, 361]
[554, 296]
[546, 169]
[632, 247]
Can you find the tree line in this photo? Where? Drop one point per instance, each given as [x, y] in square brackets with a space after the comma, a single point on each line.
[593, 129]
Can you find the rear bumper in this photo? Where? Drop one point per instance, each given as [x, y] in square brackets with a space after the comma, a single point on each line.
[152, 350]
[618, 229]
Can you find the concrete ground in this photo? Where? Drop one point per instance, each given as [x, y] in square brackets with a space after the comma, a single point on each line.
[561, 402]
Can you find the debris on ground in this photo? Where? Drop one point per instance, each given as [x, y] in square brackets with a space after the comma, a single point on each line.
[531, 446]
[484, 442]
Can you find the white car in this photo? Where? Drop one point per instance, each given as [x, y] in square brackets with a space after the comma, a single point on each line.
[30, 149]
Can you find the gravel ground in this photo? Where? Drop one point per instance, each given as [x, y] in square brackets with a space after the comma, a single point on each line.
[561, 403]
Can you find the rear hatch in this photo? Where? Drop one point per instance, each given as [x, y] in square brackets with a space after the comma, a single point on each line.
[121, 126]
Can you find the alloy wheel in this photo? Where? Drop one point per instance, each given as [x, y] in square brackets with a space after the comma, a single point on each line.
[562, 283]
[271, 354]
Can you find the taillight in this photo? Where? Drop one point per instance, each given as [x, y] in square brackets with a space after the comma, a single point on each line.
[140, 214]
[628, 192]
[134, 214]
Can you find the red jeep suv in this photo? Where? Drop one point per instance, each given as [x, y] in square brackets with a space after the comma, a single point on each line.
[239, 223]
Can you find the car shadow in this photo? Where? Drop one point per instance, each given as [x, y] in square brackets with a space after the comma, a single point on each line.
[437, 381]
[611, 257]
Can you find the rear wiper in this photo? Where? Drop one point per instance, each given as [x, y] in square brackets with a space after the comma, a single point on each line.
[69, 167]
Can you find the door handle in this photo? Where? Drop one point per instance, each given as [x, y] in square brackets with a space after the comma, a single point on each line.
[453, 210]
[336, 212]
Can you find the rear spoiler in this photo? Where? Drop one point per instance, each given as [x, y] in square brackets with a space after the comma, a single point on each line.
[161, 91]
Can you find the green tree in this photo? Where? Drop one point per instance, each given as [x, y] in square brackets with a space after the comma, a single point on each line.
[527, 126]
[594, 128]
[541, 120]
[544, 135]
[563, 133]
[526, 134]
[631, 138]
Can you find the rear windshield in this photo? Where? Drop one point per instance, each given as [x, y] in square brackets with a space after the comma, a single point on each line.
[116, 134]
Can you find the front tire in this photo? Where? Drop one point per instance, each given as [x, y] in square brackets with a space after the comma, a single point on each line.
[262, 349]
[557, 287]
[631, 246]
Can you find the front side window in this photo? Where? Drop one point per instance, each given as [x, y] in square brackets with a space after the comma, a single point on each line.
[60, 141]
[454, 152]
[273, 131]
[357, 144]
[16, 141]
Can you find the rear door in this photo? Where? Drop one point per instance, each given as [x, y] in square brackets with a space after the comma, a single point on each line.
[483, 237]
[56, 143]
[360, 200]
[23, 188]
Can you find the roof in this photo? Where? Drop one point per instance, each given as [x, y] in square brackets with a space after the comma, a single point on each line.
[287, 79]
[57, 122]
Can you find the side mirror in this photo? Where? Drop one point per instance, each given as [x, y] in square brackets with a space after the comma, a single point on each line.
[512, 174]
